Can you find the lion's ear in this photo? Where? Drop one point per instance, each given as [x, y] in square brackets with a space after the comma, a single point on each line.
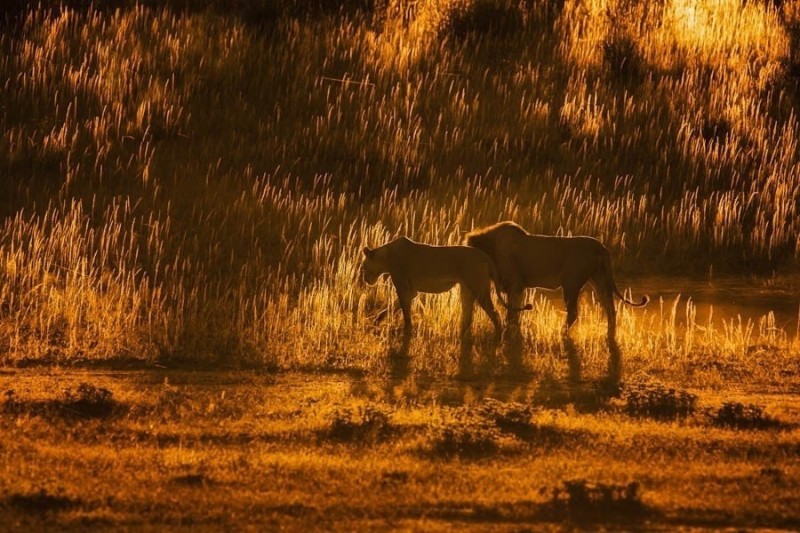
[368, 252]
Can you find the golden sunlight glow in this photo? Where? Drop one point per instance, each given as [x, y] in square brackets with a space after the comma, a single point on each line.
[728, 31]
[194, 330]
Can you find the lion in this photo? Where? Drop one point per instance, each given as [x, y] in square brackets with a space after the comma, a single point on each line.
[415, 267]
[524, 260]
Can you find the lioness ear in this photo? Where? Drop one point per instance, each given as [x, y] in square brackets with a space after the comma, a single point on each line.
[368, 252]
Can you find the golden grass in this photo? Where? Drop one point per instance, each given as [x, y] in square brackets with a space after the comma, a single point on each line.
[233, 449]
[186, 185]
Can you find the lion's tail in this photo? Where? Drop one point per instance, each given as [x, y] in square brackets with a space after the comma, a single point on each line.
[607, 265]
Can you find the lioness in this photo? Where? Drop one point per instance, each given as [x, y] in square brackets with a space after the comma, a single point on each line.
[524, 260]
[416, 267]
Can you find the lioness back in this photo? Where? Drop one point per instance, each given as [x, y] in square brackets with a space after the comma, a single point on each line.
[421, 261]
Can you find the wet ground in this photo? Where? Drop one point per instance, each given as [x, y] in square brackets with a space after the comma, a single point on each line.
[717, 298]
[730, 297]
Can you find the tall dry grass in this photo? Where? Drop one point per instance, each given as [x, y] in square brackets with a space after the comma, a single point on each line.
[182, 184]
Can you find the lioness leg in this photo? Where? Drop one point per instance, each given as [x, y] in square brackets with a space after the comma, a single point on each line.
[406, 295]
[485, 301]
[467, 304]
[405, 305]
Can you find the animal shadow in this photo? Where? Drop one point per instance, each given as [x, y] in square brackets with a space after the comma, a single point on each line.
[399, 364]
[587, 396]
[574, 362]
[513, 346]
[486, 354]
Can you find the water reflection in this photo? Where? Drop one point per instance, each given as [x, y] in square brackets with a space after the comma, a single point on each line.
[465, 366]
[614, 375]
[573, 360]
[513, 348]
[485, 370]
[729, 296]
[481, 369]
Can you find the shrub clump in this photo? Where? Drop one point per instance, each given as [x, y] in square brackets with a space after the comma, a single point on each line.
[658, 402]
[484, 429]
[466, 435]
[743, 416]
[89, 401]
[365, 424]
[510, 417]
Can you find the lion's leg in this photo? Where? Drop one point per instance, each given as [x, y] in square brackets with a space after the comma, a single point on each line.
[571, 295]
[606, 296]
[467, 305]
[514, 298]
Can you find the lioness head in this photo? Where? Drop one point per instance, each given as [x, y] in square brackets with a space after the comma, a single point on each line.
[372, 267]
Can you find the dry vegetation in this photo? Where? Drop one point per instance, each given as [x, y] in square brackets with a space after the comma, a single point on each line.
[219, 450]
[190, 183]
[186, 185]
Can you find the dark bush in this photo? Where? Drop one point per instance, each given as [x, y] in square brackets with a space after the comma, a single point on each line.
[468, 434]
[658, 402]
[743, 416]
[510, 417]
[89, 401]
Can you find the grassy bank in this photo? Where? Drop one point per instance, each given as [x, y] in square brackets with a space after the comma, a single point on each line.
[215, 450]
[185, 184]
